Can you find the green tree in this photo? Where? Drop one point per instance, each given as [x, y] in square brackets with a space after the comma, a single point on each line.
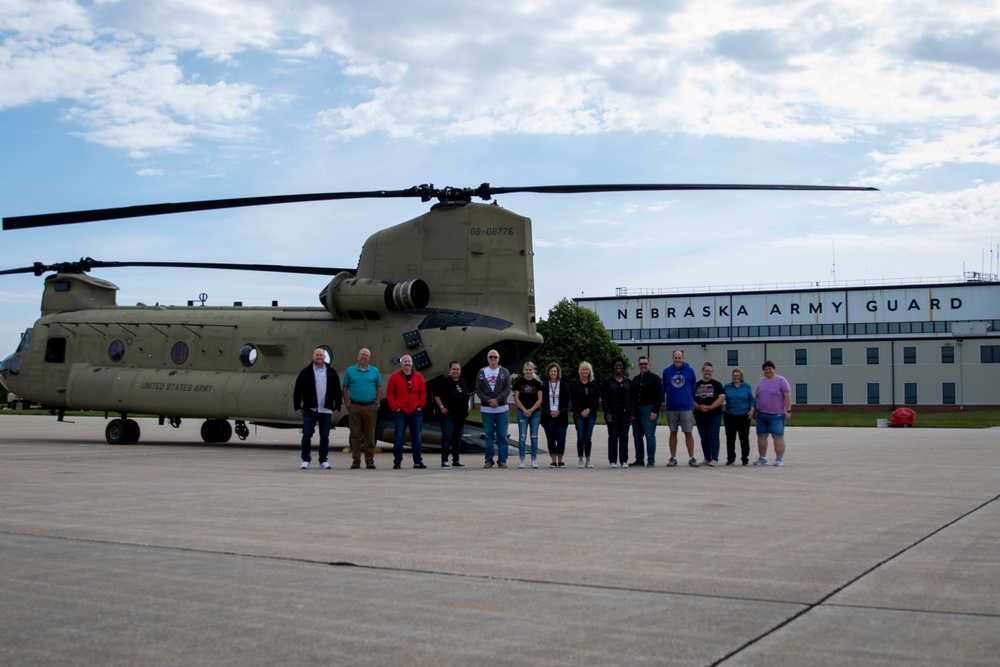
[574, 334]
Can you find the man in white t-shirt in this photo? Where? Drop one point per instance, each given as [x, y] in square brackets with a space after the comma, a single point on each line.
[493, 389]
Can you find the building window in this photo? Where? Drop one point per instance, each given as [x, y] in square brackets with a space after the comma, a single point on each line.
[801, 393]
[872, 357]
[948, 354]
[873, 397]
[948, 393]
[800, 356]
[836, 356]
[989, 354]
[910, 393]
[909, 355]
[837, 393]
[732, 357]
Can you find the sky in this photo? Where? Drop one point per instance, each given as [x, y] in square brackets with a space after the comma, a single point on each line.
[123, 102]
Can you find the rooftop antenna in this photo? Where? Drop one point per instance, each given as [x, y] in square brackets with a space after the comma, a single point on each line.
[833, 252]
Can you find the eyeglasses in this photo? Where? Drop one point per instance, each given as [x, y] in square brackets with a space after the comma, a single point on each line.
[493, 356]
[641, 363]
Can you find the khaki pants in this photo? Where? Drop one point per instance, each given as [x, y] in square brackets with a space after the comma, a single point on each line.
[361, 419]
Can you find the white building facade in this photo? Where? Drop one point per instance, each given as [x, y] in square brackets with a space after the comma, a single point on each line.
[931, 345]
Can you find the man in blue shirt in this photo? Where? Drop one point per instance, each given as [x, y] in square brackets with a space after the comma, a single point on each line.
[678, 388]
[362, 393]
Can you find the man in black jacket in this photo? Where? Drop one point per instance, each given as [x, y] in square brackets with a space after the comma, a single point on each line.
[317, 397]
[647, 398]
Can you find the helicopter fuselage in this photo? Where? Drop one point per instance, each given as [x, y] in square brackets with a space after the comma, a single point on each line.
[448, 285]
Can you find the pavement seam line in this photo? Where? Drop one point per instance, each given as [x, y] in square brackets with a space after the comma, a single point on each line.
[810, 606]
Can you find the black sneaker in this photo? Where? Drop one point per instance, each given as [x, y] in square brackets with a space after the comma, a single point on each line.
[419, 466]
[355, 465]
[396, 466]
[370, 466]
[637, 464]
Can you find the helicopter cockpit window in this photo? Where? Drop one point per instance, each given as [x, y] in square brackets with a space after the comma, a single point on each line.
[62, 285]
[248, 355]
[25, 342]
[327, 352]
[116, 351]
[179, 353]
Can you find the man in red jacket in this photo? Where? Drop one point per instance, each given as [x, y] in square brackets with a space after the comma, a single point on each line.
[407, 394]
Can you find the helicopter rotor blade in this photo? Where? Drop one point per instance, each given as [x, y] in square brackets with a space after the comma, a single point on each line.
[86, 264]
[425, 192]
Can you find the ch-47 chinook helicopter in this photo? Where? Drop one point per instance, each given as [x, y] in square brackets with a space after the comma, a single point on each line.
[449, 284]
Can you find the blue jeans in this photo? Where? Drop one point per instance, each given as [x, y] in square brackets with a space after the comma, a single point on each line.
[310, 419]
[524, 424]
[402, 421]
[584, 432]
[708, 431]
[495, 430]
[452, 431]
[644, 427]
[618, 437]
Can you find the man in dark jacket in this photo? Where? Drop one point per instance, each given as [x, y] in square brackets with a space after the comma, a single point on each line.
[647, 397]
[317, 397]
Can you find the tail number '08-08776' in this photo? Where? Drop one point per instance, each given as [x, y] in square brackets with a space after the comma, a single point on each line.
[491, 231]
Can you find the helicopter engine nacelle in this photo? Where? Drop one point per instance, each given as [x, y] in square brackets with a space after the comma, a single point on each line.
[347, 297]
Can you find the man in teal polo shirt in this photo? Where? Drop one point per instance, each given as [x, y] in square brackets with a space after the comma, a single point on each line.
[362, 384]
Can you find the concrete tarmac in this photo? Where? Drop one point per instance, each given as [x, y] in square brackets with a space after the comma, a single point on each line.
[870, 547]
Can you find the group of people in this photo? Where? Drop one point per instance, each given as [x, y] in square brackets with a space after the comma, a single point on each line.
[628, 404]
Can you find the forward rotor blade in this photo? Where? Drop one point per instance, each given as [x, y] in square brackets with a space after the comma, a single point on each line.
[424, 192]
[86, 264]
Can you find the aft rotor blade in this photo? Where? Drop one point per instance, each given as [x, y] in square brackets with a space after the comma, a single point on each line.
[95, 215]
[424, 192]
[654, 187]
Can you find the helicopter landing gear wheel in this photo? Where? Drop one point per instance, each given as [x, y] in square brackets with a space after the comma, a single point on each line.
[115, 432]
[175, 422]
[131, 432]
[122, 432]
[241, 430]
[216, 430]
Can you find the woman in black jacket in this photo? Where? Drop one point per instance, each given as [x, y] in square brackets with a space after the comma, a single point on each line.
[555, 413]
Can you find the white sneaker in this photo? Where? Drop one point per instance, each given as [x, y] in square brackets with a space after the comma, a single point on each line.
[521, 464]
[779, 462]
[762, 461]
[304, 465]
[624, 465]
[614, 465]
[534, 463]
[580, 464]
[589, 465]
[324, 465]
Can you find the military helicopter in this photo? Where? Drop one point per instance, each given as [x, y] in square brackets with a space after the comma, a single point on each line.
[452, 283]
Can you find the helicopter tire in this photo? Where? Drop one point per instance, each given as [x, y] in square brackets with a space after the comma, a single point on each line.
[114, 433]
[216, 431]
[132, 432]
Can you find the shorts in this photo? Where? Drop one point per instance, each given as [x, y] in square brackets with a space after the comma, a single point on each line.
[773, 424]
[682, 418]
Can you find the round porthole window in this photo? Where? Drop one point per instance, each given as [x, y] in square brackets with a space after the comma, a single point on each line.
[179, 353]
[328, 353]
[248, 355]
[116, 351]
